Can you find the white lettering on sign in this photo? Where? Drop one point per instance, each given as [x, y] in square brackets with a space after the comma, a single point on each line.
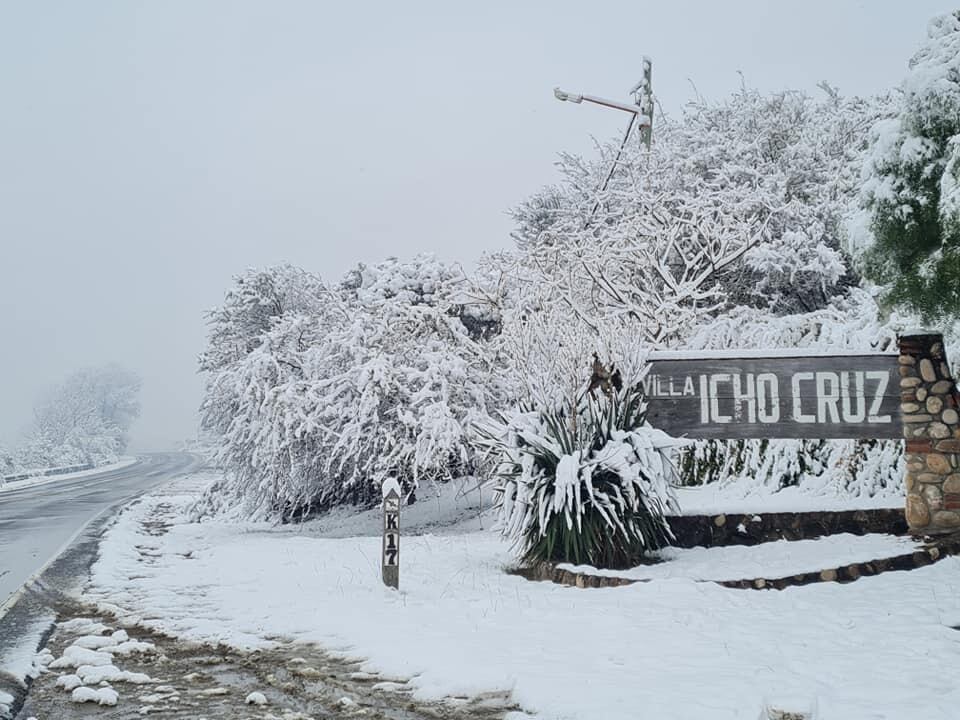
[391, 549]
[715, 381]
[882, 379]
[798, 413]
[823, 397]
[860, 413]
[746, 395]
[768, 398]
[827, 399]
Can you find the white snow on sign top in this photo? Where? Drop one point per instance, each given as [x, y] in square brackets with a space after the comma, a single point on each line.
[677, 648]
[754, 353]
[390, 484]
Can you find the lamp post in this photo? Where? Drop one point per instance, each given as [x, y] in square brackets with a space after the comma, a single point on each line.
[641, 112]
[641, 109]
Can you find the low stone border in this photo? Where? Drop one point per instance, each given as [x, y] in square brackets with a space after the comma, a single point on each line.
[934, 551]
[754, 528]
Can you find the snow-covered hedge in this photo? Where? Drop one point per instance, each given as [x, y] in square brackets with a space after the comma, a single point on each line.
[377, 376]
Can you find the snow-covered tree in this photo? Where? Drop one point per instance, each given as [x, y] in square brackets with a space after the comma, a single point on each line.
[85, 419]
[911, 182]
[730, 233]
[7, 462]
[382, 378]
[738, 203]
[257, 299]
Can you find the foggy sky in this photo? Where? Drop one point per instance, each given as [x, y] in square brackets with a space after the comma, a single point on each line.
[150, 151]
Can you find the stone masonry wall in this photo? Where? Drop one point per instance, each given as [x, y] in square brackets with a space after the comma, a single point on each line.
[931, 429]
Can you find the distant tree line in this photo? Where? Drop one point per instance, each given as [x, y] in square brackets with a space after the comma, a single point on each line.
[85, 419]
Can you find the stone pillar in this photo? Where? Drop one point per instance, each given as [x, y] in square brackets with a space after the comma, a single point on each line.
[931, 430]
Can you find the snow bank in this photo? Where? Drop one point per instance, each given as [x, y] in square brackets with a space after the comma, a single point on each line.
[767, 560]
[718, 498]
[676, 648]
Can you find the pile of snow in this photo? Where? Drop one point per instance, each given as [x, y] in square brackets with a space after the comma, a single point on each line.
[101, 696]
[6, 702]
[256, 698]
[460, 625]
[91, 656]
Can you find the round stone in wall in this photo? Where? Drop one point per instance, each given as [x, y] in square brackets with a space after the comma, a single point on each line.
[946, 518]
[938, 463]
[939, 430]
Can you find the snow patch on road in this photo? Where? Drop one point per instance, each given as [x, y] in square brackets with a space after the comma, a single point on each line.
[101, 696]
[91, 656]
[75, 656]
[256, 698]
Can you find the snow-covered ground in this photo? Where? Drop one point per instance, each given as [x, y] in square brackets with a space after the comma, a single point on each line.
[717, 498]
[768, 560]
[672, 648]
[46, 480]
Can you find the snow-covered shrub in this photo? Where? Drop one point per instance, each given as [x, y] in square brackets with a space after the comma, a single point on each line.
[579, 475]
[377, 376]
[587, 485]
[738, 203]
[7, 462]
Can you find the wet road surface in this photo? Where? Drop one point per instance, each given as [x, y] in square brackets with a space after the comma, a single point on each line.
[56, 527]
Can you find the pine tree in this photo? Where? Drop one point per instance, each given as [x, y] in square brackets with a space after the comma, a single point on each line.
[911, 188]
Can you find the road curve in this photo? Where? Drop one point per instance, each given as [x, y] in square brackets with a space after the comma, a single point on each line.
[37, 522]
[49, 537]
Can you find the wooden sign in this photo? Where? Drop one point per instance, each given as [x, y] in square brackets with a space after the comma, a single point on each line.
[390, 563]
[728, 396]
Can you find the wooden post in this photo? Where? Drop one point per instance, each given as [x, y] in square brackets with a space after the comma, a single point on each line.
[931, 431]
[390, 563]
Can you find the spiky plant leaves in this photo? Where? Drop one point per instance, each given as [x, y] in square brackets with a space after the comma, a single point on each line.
[588, 492]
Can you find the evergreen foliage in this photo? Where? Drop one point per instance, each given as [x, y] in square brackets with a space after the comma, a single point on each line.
[586, 485]
[911, 184]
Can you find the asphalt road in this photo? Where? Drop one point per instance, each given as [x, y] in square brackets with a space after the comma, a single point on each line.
[49, 536]
[37, 522]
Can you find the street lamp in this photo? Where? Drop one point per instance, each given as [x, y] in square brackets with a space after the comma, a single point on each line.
[641, 113]
[641, 109]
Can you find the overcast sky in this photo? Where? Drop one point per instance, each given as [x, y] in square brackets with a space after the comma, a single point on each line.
[149, 151]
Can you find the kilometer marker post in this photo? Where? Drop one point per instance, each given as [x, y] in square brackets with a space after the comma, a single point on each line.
[390, 558]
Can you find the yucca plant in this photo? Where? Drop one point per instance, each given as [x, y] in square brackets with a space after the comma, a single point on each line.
[586, 485]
